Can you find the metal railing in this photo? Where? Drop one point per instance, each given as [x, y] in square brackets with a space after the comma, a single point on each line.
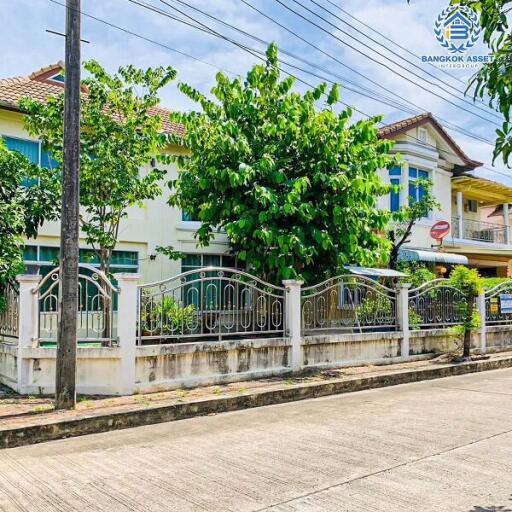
[211, 303]
[493, 313]
[436, 304]
[479, 231]
[348, 303]
[9, 312]
[96, 322]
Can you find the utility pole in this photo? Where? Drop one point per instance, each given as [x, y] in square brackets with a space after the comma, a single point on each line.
[65, 391]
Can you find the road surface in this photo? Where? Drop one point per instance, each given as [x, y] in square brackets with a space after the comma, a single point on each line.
[443, 445]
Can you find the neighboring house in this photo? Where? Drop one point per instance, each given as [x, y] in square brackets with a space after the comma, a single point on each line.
[157, 224]
[466, 201]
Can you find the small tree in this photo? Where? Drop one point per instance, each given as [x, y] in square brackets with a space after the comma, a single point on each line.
[22, 209]
[295, 188]
[120, 134]
[469, 282]
[406, 217]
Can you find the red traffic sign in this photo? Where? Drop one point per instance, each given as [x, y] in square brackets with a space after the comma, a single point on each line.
[439, 230]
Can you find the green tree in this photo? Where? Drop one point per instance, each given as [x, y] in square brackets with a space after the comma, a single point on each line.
[22, 209]
[294, 187]
[120, 133]
[407, 216]
[494, 79]
[470, 284]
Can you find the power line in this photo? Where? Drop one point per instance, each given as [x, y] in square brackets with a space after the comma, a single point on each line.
[253, 51]
[134, 34]
[377, 61]
[486, 110]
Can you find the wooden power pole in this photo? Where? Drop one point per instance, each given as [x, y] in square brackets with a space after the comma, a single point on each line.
[65, 392]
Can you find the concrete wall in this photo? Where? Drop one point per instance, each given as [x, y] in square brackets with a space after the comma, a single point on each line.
[162, 367]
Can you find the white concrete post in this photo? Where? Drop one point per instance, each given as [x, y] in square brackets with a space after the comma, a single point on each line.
[506, 221]
[402, 315]
[460, 214]
[28, 324]
[127, 329]
[293, 321]
[480, 304]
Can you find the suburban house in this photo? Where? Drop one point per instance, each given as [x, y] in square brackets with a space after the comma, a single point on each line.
[476, 208]
[427, 151]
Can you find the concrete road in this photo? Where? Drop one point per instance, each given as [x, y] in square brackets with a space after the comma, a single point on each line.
[444, 445]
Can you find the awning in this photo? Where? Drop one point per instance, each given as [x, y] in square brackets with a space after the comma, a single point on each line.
[374, 272]
[436, 257]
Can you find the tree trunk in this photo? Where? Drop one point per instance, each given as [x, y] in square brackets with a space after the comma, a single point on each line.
[107, 304]
[466, 352]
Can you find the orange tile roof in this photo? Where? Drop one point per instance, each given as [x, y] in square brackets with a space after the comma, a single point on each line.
[39, 86]
[393, 129]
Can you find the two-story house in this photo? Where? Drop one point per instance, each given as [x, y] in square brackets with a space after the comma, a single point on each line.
[427, 150]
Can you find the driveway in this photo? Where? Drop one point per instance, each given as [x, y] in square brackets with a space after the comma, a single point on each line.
[443, 445]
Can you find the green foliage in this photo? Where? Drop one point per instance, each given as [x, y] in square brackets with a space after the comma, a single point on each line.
[467, 280]
[22, 209]
[167, 316]
[120, 134]
[294, 187]
[493, 82]
[414, 319]
[374, 306]
[417, 273]
[491, 282]
[407, 216]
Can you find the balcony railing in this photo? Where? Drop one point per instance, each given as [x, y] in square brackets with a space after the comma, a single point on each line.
[479, 231]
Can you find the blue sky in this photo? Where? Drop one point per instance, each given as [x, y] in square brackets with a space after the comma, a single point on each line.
[26, 47]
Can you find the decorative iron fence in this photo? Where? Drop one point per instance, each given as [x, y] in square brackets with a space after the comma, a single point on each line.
[96, 321]
[9, 312]
[348, 303]
[435, 304]
[210, 303]
[479, 230]
[493, 307]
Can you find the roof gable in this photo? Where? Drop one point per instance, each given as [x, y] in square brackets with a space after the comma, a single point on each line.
[392, 130]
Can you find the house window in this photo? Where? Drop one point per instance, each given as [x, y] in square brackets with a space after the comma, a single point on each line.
[33, 152]
[472, 206]
[203, 291]
[422, 135]
[416, 192]
[394, 195]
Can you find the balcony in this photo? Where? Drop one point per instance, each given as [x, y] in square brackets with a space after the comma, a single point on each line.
[479, 231]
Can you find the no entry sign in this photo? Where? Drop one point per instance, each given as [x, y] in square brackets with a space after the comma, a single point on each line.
[439, 230]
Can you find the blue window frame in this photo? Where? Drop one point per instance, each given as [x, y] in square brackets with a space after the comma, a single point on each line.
[416, 192]
[394, 195]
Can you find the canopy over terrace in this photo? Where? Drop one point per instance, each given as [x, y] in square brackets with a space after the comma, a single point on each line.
[486, 192]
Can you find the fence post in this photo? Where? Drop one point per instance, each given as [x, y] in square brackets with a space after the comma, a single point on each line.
[480, 304]
[127, 314]
[402, 315]
[28, 326]
[293, 321]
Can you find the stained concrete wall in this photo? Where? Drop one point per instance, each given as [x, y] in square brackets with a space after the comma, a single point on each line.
[190, 364]
[161, 367]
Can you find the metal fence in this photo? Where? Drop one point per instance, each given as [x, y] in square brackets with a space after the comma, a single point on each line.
[348, 303]
[210, 303]
[9, 313]
[96, 321]
[435, 304]
[479, 230]
[493, 309]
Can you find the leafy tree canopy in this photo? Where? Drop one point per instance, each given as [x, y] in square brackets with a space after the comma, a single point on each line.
[22, 209]
[294, 187]
[120, 133]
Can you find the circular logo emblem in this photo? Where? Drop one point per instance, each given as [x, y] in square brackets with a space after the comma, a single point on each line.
[457, 29]
[439, 230]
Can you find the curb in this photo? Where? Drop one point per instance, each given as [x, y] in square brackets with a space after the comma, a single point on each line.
[60, 429]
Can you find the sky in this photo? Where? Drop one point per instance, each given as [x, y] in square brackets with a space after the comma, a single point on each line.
[353, 50]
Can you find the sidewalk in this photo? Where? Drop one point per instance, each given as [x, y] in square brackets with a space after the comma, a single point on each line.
[28, 419]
